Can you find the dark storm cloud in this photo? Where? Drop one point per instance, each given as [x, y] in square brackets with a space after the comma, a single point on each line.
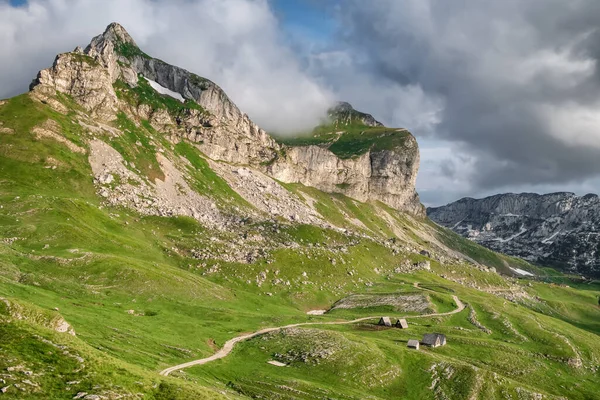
[518, 80]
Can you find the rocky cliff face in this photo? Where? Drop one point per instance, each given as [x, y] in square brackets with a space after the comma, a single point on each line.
[81, 77]
[223, 131]
[354, 154]
[106, 77]
[388, 176]
[558, 229]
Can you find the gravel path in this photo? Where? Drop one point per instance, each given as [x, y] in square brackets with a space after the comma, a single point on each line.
[230, 344]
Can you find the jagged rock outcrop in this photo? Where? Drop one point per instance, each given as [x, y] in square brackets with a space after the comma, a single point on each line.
[100, 77]
[557, 229]
[223, 132]
[84, 79]
[365, 170]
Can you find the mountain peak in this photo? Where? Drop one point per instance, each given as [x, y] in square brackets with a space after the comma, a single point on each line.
[342, 106]
[113, 77]
[344, 113]
[116, 32]
[115, 37]
[558, 229]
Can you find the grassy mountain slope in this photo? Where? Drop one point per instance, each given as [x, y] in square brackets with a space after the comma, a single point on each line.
[348, 133]
[144, 292]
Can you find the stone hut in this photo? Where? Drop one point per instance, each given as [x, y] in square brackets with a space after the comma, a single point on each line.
[413, 344]
[433, 339]
[385, 321]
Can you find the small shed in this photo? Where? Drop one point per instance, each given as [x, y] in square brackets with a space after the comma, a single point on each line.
[442, 339]
[434, 339]
[385, 321]
[413, 344]
[402, 324]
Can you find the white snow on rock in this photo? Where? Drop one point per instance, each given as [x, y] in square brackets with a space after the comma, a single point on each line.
[548, 240]
[277, 363]
[508, 239]
[316, 312]
[163, 90]
[521, 271]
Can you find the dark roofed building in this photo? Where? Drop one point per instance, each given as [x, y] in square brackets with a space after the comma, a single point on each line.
[402, 324]
[433, 339]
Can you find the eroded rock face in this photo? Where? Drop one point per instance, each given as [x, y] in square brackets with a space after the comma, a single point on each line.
[224, 133]
[388, 176]
[81, 77]
[168, 197]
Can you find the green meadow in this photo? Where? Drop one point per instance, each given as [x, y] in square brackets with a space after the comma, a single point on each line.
[139, 299]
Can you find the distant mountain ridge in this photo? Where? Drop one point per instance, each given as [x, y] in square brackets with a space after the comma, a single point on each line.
[557, 229]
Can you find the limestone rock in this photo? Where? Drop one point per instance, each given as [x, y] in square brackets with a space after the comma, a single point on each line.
[218, 127]
[224, 132]
[388, 176]
[82, 78]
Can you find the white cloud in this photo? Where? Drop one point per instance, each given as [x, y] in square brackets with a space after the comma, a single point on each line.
[511, 84]
[392, 103]
[575, 125]
[235, 43]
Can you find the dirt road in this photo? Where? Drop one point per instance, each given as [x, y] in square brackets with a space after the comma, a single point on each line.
[229, 345]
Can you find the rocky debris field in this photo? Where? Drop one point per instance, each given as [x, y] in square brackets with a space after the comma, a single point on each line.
[417, 303]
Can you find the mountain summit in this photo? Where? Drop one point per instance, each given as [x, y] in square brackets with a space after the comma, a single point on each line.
[113, 75]
[344, 114]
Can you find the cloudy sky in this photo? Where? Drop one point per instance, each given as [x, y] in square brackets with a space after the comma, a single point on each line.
[501, 95]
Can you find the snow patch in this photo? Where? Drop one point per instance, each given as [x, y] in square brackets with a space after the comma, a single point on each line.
[548, 239]
[521, 272]
[508, 239]
[456, 224]
[163, 90]
[316, 312]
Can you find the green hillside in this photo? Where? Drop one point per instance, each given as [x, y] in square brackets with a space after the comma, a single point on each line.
[146, 292]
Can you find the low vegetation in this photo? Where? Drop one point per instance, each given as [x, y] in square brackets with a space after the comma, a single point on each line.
[143, 293]
[349, 140]
[143, 93]
[130, 50]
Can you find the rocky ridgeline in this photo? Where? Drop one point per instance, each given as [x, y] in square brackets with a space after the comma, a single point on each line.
[92, 77]
[557, 229]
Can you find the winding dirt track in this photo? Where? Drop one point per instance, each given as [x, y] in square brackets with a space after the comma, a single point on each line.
[229, 345]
